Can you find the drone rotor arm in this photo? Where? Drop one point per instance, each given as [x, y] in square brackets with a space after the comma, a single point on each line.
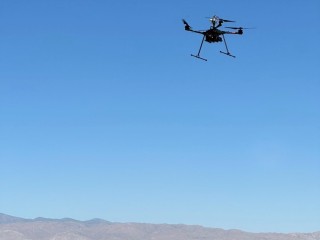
[197, 31]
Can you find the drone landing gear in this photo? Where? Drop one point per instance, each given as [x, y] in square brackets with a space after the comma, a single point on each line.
[198, 55]
[226, 53]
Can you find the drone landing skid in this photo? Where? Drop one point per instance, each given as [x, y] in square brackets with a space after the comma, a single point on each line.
[197, 56]
[225, 43]
[228, 54]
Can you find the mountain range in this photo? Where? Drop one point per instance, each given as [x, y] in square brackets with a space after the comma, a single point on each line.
[14, 228]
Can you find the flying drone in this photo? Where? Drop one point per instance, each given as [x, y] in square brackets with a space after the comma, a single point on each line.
[214, 34]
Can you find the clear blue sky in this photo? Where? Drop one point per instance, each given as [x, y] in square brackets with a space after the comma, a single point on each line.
[103, 113]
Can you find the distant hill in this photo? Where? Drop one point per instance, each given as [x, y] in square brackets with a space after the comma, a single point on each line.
[13, 228]
[4, 219]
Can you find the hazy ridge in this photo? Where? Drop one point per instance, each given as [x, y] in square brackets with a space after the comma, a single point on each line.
[14, 228]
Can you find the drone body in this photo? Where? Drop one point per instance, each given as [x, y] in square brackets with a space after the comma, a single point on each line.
[214, 34]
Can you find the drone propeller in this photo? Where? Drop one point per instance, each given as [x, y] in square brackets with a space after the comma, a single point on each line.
[219, 19]
[239, 28]
[225, 20]
[186, 25]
